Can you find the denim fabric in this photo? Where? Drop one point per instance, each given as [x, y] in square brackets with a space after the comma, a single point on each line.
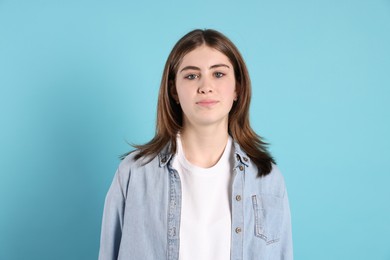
[141, 218]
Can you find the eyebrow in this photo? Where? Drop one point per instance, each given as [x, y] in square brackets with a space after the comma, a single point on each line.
[197, 68]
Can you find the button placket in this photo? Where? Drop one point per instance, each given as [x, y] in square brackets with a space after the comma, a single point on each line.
[237, 210]
[174, 214]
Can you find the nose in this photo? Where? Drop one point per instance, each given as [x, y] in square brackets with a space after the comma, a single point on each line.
[205, 86]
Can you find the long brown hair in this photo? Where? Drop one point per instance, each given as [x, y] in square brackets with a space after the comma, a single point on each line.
[170, 115]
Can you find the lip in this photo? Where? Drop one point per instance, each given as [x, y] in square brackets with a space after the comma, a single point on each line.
[207, 102]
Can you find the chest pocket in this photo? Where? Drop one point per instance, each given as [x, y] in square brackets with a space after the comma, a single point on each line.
[268, 217]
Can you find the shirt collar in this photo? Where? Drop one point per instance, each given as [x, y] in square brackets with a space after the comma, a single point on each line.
[166, 155]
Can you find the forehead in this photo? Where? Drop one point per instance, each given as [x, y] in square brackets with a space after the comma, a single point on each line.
[204, 56]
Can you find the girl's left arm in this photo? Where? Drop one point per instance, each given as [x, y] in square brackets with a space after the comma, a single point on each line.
[286, 243]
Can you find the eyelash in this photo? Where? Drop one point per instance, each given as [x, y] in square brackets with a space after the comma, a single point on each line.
[194, 76]
[220, 73]
[191, 76]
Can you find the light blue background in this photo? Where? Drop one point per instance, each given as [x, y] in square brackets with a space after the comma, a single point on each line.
[80, 78]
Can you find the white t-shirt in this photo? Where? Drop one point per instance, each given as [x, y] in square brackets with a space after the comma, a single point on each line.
[205, 225]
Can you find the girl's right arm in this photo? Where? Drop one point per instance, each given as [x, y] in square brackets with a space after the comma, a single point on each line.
[111, 231]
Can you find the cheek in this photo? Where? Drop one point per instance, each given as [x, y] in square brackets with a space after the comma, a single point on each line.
[184, 90]
[231, 90]
[184, 97]
[181, 93]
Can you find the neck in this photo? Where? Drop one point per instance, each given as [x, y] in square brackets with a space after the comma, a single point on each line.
[204, 147]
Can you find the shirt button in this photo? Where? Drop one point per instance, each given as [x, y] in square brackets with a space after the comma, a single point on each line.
[172, 231]
[238, 230]
[164, 160]
[238, 197]
[241, 168]
[245, 159]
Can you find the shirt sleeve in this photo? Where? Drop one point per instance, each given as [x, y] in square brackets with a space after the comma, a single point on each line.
[111, 230]
[286, 232]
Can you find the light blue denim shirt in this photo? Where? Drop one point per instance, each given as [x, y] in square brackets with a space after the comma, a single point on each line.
[141, 217]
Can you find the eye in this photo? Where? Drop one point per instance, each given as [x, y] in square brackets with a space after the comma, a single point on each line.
[191, 76]
[219, 74]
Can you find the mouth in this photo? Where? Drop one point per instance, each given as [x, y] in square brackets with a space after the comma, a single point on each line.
[207, 102]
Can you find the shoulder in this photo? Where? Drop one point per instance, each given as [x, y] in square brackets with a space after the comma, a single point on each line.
[274, 176]
[130, 166]
[270, 184]
[131, 163]
[128, 162]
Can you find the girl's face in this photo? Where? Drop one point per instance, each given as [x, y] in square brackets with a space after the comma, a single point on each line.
[205, 87]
